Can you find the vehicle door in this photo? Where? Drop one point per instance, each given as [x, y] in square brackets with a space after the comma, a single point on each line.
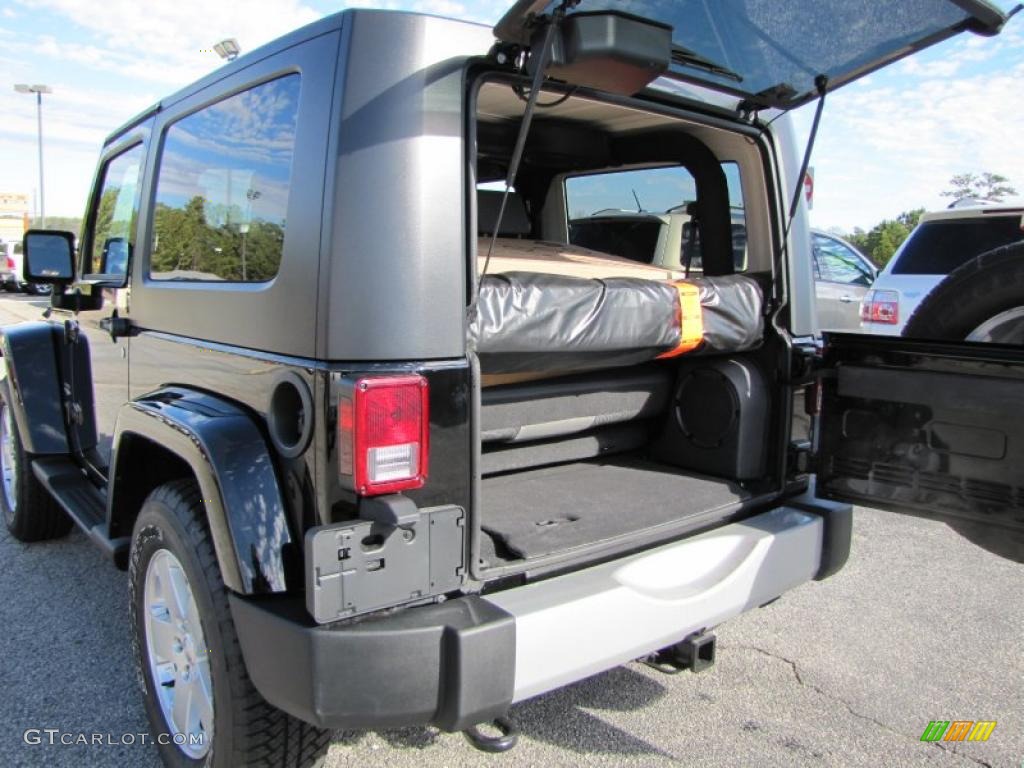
[842, 277]
[931, 429]
[101, 313]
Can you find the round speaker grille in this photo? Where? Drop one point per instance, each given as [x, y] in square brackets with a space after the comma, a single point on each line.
[706, 407]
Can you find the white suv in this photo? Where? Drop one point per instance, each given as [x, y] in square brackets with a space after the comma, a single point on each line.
[941, 242]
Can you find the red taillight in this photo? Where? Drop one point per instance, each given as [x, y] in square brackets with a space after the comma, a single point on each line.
[383, 428]
[880, 307]
[10, 263]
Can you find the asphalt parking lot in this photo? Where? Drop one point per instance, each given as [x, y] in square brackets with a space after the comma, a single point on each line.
[921, 625]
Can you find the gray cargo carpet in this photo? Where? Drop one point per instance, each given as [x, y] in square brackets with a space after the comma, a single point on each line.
[535, 513]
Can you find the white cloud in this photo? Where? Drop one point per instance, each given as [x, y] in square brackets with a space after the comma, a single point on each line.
[892, 145]
[103, 73]
[888, 143]
[182, 31]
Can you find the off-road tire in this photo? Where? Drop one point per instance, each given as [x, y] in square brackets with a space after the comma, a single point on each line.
[247, 731]
[985, 286]
[36, 516]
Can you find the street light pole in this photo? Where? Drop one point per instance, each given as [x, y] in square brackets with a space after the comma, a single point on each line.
[38, 90]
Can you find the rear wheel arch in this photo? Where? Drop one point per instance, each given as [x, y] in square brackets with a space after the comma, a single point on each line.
[142, 464]
[191, 434]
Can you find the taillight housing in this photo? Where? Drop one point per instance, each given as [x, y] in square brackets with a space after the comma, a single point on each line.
[383, 433]
[10, 263]
[880, 307]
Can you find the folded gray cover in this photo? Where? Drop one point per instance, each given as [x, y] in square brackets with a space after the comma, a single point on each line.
[533, 322]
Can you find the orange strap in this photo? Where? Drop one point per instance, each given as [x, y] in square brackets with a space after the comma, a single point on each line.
[691, 319]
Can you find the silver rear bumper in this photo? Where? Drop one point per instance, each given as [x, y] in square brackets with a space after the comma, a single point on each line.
[574, 626]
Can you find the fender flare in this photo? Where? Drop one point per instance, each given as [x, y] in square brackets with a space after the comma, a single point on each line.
[31, 385]
[233, 466]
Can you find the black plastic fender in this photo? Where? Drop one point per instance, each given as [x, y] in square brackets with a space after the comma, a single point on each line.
[32, 385]
[233, 466]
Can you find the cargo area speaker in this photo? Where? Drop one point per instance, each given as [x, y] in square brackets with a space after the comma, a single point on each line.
[717, 420]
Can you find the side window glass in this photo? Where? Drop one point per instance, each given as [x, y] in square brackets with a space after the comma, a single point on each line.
[117, 208]
[838, 264]
[222, 188]
[737, 214]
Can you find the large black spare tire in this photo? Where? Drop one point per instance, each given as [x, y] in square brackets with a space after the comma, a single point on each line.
[982, 300]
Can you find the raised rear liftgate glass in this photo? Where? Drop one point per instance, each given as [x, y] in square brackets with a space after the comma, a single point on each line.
[771, 52]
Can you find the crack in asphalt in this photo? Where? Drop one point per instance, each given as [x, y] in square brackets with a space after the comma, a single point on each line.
[951, 749]
[849, 708]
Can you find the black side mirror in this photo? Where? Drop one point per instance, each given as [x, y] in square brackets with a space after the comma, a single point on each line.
[49, 256]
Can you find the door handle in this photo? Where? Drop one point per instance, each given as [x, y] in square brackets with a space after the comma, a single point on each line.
[847, 299]
[116, 326]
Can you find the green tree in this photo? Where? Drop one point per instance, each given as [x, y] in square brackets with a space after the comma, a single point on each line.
[909, 219]
[187, 241]
[881, 241]
[71, 224]
[986, 186]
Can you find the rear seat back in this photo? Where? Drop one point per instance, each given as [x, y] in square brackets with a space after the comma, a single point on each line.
[515, 222]
[572, 404]
[572, 418]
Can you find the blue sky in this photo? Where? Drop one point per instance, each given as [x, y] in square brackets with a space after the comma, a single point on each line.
[887, 144]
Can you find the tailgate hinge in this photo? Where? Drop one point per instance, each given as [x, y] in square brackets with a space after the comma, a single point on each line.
[801, 459]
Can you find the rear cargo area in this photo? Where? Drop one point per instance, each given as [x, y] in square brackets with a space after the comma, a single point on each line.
[622, 400]
[593, 459]
[540, 512]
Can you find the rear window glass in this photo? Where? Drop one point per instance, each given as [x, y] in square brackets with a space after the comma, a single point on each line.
[631, 237]
[769, 43]
[222, 188]
[939, 247]
[642, 215]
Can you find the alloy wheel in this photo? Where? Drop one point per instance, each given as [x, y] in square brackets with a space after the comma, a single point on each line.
[177, 654]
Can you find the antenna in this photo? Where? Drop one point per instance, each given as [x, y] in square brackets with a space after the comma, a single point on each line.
[639, 208]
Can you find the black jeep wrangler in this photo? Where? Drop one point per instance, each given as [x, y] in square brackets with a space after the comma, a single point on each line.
[380, 442]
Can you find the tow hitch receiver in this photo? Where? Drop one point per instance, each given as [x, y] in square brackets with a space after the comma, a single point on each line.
[508, 736]
[696, 653]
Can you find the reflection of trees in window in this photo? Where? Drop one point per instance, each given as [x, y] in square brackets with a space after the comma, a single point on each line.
[222, 189]
[113, 220]
[103, 229]
[187, 247]
[837, 264]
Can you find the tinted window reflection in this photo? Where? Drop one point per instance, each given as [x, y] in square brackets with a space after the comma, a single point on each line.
[114, 228]
[838, 264]
[222, 188]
